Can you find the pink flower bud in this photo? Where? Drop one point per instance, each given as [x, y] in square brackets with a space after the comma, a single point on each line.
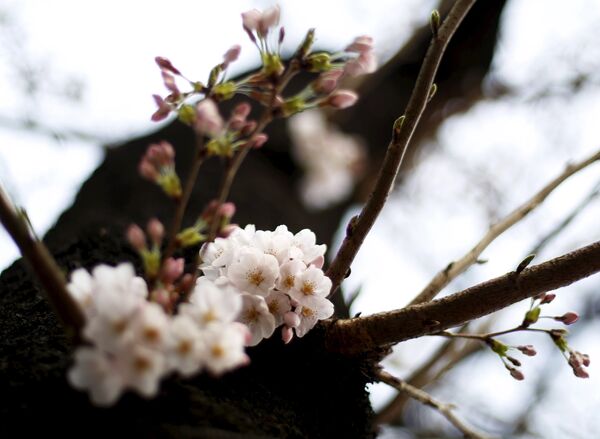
[227, 230]
[528, 350]
[163, 109]
[169, 81]
[242, 110]
[361, 44]
[248, 128]
[291, 319]
[172, 269]
[250, 19]
[286, 334]
[365, 63]
[156, 230]
[342, 99]
[568, 318]
[516, 374]
[258, 140]
[327, 82]
[585, 359]
[580, 372]
[547, 298]
[147, 170]
[269, 19]
[226, 210]
[232, 54]
[136, 237]
[162, 297]
[165, 64]
[208, 119]
[186, 283]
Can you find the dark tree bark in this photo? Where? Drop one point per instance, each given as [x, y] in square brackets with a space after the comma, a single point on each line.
[300, 390]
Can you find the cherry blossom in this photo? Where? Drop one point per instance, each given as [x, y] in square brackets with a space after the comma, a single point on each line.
[312, 282]
[257, 317]
[212, 303]
[95, 371]
[254, 272]
[310, 311]
[185, 346]
[224, 347]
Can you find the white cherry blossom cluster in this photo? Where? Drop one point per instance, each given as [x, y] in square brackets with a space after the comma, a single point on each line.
[132, 342]
[278, 276]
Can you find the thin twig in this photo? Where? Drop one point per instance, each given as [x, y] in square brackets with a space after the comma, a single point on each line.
[423, 397]
[43, 266]
[352, 336]
[236, 162]
[404, 128]
[452, 270]
[440, 362]
[595, 192]
[182, 202]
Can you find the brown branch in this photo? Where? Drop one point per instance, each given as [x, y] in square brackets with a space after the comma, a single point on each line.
[423, 397]
[43, 266]
[183, 201]
[404, 128]
[354, 336]
[445, 276]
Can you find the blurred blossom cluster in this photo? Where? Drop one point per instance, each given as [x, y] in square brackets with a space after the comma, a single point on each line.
[331, 159]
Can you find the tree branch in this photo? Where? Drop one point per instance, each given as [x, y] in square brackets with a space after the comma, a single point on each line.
[452, 270]
[404, 128]
[425, 398]
[43, 266]
[358, 335]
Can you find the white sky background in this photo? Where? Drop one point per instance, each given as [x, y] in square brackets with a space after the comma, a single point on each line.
[510, 145]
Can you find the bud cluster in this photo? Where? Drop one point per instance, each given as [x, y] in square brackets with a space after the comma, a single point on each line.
[266, 86]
